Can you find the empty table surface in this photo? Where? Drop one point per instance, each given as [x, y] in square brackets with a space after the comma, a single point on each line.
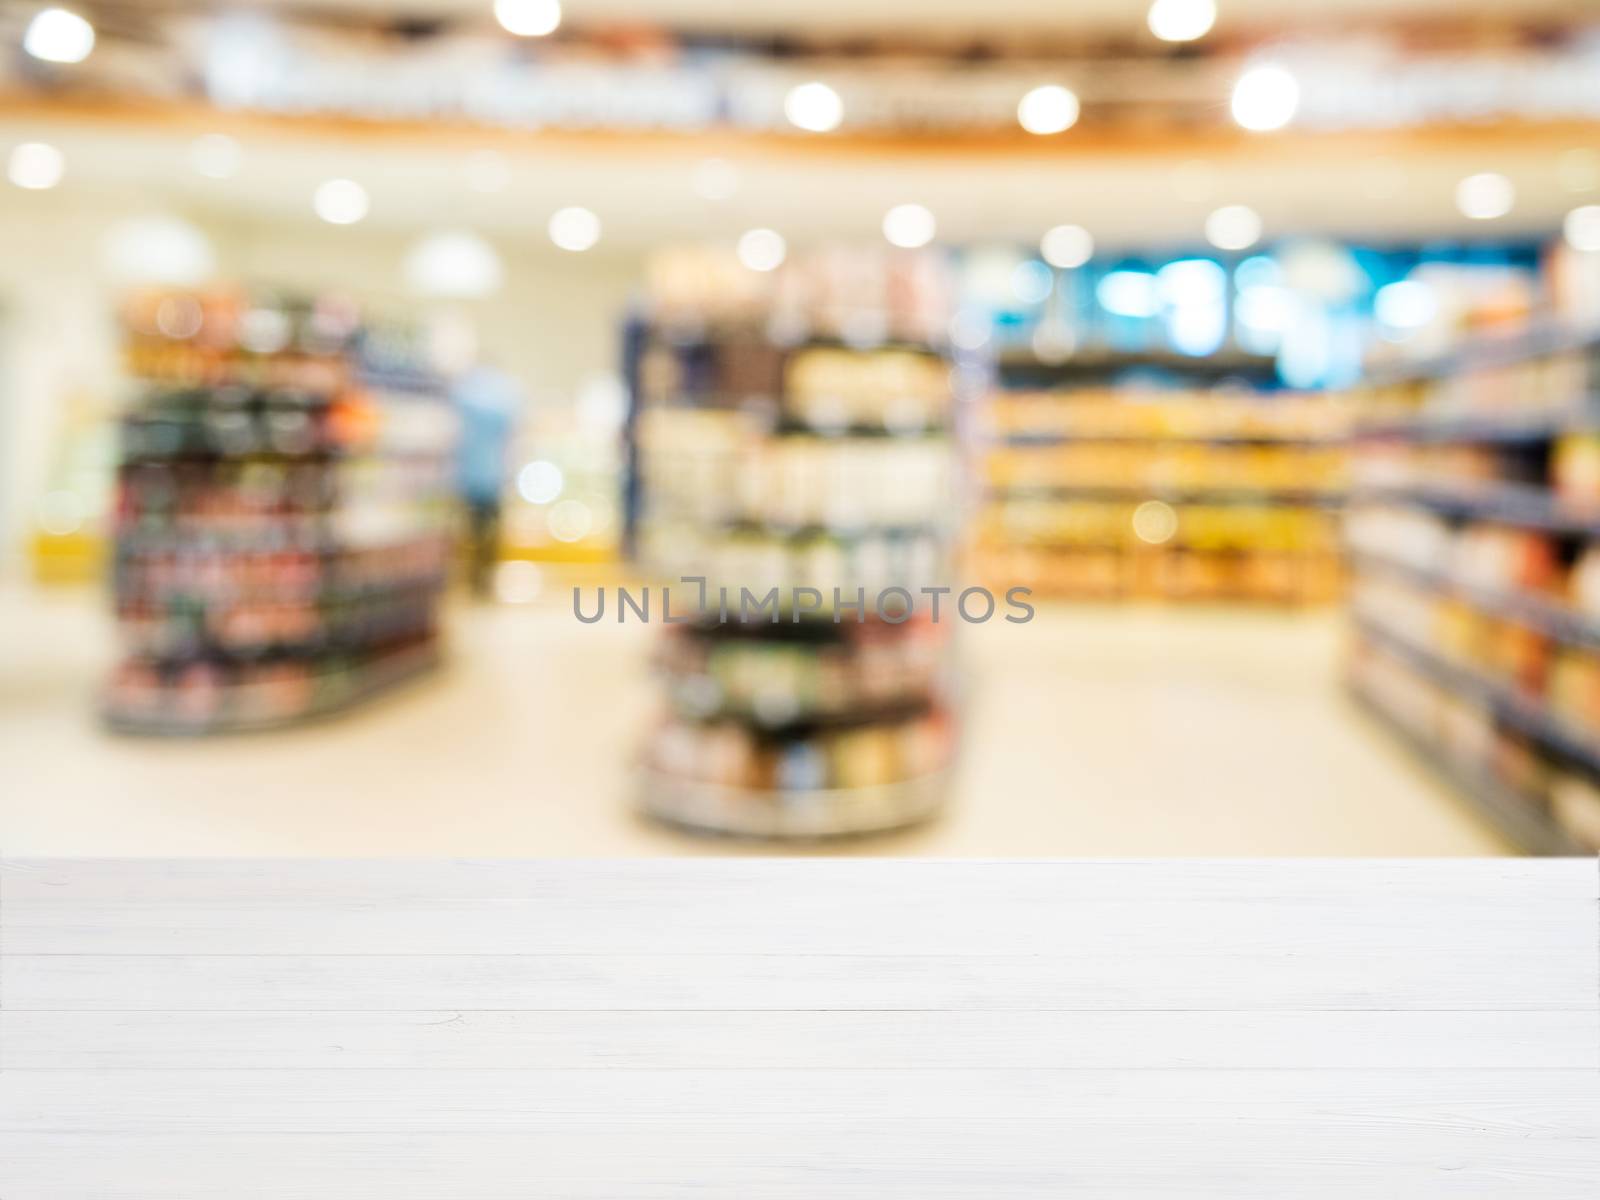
[883, 1030]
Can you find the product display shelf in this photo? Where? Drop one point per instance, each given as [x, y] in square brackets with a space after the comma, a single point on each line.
[805, 462]
[282, 516]
[1524, 827]
[1474, 538]
[1129, 491]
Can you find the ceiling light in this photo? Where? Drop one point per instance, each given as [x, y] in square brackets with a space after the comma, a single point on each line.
[35, 166]
[574, 228]
[1265, 98]
[1582, 228]
[1048, 109]
[1129, 294]
[528, 18]
[1182, 20]
[58, 36]
[814, 106]
[215, 155]
[762, 249]
[909, 226]
[540, 482]
[1155, 522]
[1485, 196]
[158, 249]
[1233, 227]
[1408, 304]
[1067, 246]
[340, 201]
[1188, 282]
[455, 264]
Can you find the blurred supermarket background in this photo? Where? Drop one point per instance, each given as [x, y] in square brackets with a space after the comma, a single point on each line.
[341, 340]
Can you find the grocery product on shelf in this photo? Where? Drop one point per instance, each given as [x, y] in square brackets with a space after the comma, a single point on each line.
[1474, 533]
[1118, 493]
[282, 512]
[796, 432]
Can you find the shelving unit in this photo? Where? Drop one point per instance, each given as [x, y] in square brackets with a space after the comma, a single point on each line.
[1474, 533]
[798, 461]
[282, 508]
[1100, 484]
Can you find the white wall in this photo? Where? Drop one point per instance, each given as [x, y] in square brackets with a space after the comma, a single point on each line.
[553, 324]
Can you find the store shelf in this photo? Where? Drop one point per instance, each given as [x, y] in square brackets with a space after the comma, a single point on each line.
[1527, 505]
[1509, 428]
[1064, 438]
[804, 723]
[1518, 819]
[280, 537]
[1101, 363]
[1548, 617]
[812, 814]
[1486, 349]
[379, 675]
[1173, 495]
[745, 447]
[1526, 716]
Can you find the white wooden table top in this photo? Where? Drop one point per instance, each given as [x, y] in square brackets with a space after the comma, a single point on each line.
[889, 1030]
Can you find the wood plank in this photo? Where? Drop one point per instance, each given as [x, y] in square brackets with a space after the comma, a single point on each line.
[1531, 1104]
[815, 1160]
[388, 880]
[798, 1030]
[793, 907]
[839, 1040]
[1309, 974]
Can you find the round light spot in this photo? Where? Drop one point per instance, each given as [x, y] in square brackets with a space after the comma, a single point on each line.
[59, 36]
[1407, 304]
[1155, 522]
[1048, 109]
[455, 264]
[1181, 20]
[574, 229]
[528, 18]
[341, 201]
[1265, 98]
[813, 106]
[1582, 228]
[540, 482]
[909, 226]
[1129, 294]
[762, 249]
[1233, 227]
[1485, 196]
[36, 166]
[1067, 246]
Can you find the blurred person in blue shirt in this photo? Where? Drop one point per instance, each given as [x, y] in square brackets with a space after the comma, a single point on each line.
[489, 404]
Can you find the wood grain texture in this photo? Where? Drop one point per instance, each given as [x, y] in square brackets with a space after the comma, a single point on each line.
[786, 1029]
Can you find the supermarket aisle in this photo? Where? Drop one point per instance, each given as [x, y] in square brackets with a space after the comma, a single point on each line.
[1094, 732]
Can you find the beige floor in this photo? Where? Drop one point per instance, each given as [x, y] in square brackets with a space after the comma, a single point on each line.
[1092, 732]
